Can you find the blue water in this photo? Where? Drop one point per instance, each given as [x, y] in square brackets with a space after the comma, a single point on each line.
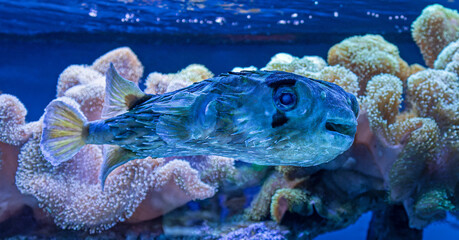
[215, 17]
[39, 39]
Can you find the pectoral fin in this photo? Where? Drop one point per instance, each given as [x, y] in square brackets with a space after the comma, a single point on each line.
[120, 94]
[114, 156]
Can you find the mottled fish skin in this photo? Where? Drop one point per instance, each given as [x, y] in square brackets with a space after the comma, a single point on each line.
[239, 115]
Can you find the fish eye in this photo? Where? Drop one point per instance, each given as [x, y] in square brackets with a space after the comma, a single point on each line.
[285, 98]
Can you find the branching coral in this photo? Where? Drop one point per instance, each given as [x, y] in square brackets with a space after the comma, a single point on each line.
[139, 190]
[158, 83]
[435, 28]
[368, 56]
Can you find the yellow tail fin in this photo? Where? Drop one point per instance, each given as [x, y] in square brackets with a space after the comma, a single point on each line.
[64, 130]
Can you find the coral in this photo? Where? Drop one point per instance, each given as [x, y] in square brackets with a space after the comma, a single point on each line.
[449, 54]
[90, 97]
[419, 150]
[12, 118]
[314, 67]
[13, 131]
[434, 29]
[423, 139]
[77, 75]
[288, 63]
[70, 193]
[367, 56]
[158, 83]
[288, 199]
[409, 157]
[414, 68]
[258, 209]
[125, 61]
[383, 100]
[337, 75]
[257, 231]
[403, 165]
[435, 94]
[449, 58]
[240, 69]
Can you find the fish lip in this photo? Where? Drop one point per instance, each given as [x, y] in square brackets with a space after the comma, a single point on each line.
[341, 127]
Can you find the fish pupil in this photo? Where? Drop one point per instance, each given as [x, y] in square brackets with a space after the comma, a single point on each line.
[287, 98]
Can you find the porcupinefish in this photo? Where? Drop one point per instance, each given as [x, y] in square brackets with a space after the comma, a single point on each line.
[260, 117]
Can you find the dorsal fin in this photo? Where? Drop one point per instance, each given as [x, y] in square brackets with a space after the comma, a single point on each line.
[120, 94]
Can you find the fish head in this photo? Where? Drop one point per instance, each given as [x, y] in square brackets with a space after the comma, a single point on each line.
[306, 121]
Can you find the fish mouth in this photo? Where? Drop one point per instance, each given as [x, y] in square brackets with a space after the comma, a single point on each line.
[341, 126]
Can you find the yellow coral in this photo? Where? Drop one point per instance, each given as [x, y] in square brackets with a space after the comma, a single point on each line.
[240, 69]
[288, 63]
[453, 67]
[414, 68]
[287, 199]
[196, 72]
[158, 83]
[435, 93]
[435, 28]
[449, 58]
[449, 54]
[337, 75]
[259, 207]
[368, 56]
[382, 101]
[419, 151]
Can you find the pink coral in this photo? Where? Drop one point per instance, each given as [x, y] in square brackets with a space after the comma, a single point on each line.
[13, 131]
[125, 62]
[70, 193]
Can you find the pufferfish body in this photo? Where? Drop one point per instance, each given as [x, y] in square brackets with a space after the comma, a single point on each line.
[260, 117]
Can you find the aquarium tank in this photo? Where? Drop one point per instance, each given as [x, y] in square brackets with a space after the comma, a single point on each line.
[200, 119]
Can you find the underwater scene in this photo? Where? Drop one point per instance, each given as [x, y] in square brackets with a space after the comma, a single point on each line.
[251, 119]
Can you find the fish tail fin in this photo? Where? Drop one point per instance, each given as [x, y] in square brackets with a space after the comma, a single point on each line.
[64, 130]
